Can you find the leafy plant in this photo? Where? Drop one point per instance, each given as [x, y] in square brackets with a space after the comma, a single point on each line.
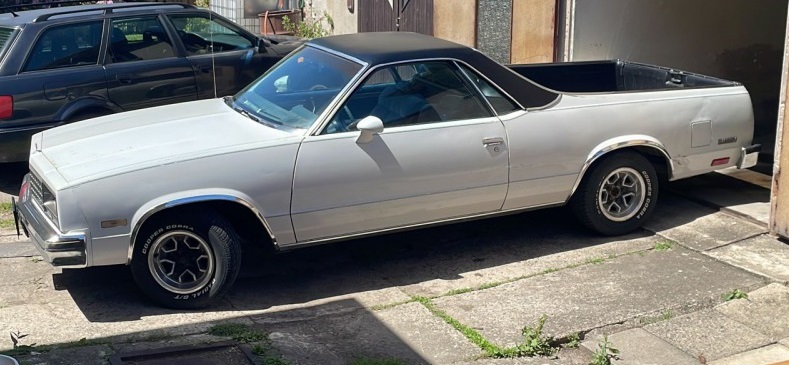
[734, 294]
[605, 353]
[310, 27]
[573, 340]
[535, 343]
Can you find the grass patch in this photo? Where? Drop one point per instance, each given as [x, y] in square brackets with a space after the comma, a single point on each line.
[535, 343]
[663, 316]
[734, 294]
[664, 245]
[595, 260]
[5, 207]
[573, 341]
[238, 332]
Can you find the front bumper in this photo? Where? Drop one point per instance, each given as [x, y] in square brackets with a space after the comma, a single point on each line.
[67, 249]
[749, 156]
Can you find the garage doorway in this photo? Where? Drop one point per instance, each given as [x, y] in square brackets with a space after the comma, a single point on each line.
[739, 40]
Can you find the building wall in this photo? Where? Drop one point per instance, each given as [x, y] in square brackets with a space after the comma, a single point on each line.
[732, 39]
[455, 20]
[345, 21]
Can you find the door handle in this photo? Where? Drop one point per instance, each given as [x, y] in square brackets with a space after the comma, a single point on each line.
[492, 141]
[124, 79]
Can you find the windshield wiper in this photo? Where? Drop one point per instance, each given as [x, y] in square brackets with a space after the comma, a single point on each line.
[229, 101]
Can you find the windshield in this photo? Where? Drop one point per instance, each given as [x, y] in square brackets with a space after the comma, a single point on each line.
[297, 90]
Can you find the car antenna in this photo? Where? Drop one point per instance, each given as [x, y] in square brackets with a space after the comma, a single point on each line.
[211, 36]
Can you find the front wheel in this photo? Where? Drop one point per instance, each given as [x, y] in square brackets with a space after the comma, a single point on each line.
[185, 261]
[617, 195]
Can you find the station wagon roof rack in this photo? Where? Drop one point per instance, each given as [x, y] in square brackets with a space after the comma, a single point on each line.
[109, 8]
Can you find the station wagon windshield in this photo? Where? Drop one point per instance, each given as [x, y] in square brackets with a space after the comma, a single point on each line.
[298, 90]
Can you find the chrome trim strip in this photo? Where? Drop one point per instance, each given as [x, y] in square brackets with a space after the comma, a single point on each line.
[196, 199]
[497, 213]
[631, 143]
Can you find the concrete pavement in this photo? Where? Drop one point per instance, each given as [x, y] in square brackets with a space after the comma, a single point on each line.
[447, 295]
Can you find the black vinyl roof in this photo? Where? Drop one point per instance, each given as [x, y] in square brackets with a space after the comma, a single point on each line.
[378, 48]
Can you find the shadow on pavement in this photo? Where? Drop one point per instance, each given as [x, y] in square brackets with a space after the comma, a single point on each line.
[11, 175]
[390, 265]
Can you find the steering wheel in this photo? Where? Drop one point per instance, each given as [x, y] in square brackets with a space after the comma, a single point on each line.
[337, 125]
[318, 87]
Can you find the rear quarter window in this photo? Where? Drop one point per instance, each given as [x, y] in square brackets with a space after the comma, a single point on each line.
[5, 39]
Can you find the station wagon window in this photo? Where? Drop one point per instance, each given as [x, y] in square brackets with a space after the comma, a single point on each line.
[499, 102]
[65, 46]
[5, 39]
[138, 39]
[198, 31]
[425, 92]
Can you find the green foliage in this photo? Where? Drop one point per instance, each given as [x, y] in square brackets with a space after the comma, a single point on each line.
[237, 331]
[605, 353]
[595, 260]
[734, 294]
[535, 343]
[202, 3]
[664, 245]
[310, 27]
[573, 340]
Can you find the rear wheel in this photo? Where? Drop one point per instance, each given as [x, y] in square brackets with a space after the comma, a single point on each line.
[186, 261]
[618, 194]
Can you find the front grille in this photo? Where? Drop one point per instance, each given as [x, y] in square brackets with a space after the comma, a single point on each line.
[36, 190]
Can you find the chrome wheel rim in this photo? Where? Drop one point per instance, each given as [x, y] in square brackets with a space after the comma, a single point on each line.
[181, 262]
[621, 194]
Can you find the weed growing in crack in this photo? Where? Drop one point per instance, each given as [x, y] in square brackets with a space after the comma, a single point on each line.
[734, 294]
[237, 331]
[664, 245]
[605, 353]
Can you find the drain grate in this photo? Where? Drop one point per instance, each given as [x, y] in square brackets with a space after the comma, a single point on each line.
[220, 353]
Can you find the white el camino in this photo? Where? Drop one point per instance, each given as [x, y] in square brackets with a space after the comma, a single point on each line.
[364, 134]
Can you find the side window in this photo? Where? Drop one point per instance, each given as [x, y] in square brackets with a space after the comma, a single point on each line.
[138, 39]
[65, 46]
[425, 92]
[197, 32]
[500, 103]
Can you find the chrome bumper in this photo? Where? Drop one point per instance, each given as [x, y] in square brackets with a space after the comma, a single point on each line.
[749, 156]
[58, 248]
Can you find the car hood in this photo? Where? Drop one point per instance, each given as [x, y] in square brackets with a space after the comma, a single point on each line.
[118, 143]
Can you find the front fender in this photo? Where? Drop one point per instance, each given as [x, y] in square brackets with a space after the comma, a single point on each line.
[189, 197]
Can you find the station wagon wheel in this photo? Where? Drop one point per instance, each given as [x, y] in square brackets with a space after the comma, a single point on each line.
[617, 194]
[186, 260]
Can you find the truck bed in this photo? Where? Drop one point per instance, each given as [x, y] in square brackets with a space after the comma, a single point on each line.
[613, 76]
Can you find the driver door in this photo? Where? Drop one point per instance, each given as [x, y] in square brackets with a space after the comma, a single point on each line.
[442, 154]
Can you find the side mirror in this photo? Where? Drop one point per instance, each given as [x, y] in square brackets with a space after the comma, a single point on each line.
[369, 126]
[263, 45]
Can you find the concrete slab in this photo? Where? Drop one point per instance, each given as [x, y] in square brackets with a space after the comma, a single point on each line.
[637, 346]
[763, 255]
[11, 246]
[89, 355]
[784, 342]
[593, 296]
[762, 356]
[408, 333]
[698, 227]
[731, 194]
[708, 333]
[765, 310]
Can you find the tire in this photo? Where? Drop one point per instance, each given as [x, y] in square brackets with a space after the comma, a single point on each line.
[618, 195]
[185, 261]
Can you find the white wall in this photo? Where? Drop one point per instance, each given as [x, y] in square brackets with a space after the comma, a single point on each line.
[741, 40]
[344, 21]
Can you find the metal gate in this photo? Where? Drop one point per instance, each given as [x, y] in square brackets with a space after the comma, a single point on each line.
[389, 15]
